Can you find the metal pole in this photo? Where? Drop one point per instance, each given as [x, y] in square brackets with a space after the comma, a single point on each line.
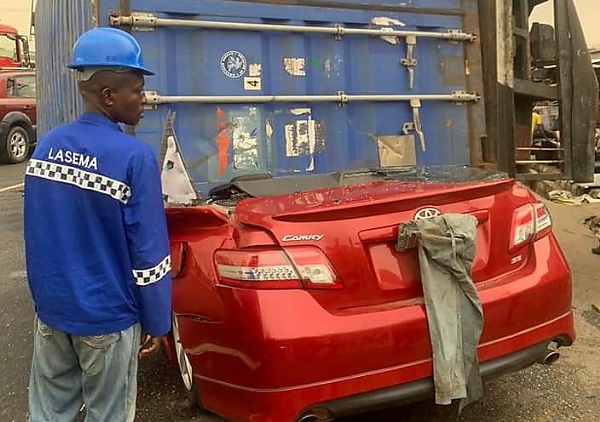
[154, 98]
[142, 20]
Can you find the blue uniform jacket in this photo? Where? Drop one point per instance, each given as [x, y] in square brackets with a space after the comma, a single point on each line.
[96, 242]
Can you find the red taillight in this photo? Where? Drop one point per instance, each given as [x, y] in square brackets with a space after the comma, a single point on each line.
[267, 269]
[529, 222]
[276, 269]
[314, 268]
[543, 221]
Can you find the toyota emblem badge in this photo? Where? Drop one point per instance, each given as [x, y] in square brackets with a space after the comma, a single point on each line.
[424, 213]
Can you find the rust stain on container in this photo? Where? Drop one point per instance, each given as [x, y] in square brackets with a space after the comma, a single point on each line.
[222, 141]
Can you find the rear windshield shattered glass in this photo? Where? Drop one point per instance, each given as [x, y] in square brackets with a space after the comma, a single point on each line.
[444, 174]
[262, 185]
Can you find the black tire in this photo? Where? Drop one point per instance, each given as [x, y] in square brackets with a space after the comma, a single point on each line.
[15, 148]
[193, 396]
[185, 370]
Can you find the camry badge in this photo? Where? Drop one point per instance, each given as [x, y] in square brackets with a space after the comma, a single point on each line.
[302, 237]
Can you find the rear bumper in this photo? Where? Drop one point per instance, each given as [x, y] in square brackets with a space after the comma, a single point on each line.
[376, 390]
[286, 354]
[424, 389]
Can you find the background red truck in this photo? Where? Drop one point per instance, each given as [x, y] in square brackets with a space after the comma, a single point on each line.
[14, 48]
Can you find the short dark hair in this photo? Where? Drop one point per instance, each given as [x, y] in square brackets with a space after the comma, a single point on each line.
[102, 79]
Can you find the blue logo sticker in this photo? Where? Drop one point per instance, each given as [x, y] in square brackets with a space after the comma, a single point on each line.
[233, 64]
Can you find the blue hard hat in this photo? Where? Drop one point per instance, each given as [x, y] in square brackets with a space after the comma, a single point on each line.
[107, 47]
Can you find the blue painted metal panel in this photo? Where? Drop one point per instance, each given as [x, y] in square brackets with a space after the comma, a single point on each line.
[279, 138]
[56, 29]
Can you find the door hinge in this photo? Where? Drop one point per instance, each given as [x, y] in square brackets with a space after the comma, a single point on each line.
[151, 100]
[137, 21]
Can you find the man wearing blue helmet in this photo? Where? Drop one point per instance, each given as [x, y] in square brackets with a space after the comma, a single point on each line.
[96, 243]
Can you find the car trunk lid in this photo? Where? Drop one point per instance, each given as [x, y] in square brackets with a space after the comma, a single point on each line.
[355, 227]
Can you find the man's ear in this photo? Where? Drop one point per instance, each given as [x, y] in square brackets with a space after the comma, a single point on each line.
[107, 97]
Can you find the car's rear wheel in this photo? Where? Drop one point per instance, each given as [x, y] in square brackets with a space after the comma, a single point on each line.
[15, 148]
[185, 367]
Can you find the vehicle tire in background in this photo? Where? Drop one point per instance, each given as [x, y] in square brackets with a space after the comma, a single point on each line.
[15, 147]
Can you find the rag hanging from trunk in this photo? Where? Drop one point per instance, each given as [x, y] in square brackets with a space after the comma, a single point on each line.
[446, 247]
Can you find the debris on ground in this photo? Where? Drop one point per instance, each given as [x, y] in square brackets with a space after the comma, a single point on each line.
[566, 197]
[593, 224]
[592, 316]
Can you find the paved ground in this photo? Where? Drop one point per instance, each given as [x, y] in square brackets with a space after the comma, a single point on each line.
[567, 391]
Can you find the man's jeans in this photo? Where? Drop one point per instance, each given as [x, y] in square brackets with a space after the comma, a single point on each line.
[68, 371]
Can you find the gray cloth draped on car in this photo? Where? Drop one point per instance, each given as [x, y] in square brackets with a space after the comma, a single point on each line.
[446, 248]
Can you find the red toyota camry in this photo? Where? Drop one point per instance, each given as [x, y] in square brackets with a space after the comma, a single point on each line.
[291, 302]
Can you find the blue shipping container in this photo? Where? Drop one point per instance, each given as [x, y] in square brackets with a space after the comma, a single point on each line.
[261, 87]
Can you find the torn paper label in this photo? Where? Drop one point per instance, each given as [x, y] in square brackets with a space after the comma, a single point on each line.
[245, 143]
[254, 69]
[294, 66]
[304, 137]
[387, 24]
[268, 129]
[300, 111]
[385, 21]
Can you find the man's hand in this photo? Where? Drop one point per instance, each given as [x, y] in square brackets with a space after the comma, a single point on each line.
[149, 346]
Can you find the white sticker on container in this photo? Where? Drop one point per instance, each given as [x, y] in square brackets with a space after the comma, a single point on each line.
[268, 129]
[233, 64]
[254, 69]
[245, 141]
[304, 137]
[294, 66]
[387, 24]
[252, 84]
[300, 111]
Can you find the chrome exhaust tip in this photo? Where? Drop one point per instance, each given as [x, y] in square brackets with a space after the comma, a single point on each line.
[316, 414]
[309, 418]
[550, 357]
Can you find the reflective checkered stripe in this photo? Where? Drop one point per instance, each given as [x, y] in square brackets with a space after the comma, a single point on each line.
[152, 275]
[80, 178]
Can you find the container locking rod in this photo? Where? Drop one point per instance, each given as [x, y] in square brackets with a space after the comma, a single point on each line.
[410, 62]
[415, 104]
